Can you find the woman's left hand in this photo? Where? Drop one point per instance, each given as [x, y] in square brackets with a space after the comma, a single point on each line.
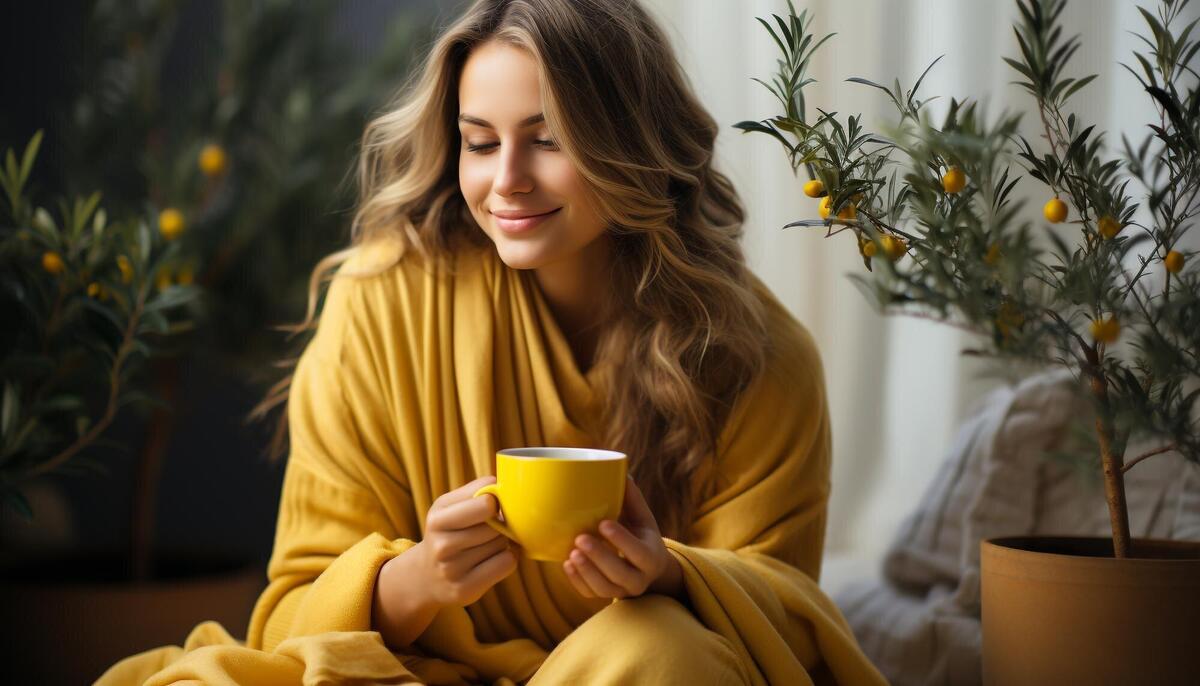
[630, 560]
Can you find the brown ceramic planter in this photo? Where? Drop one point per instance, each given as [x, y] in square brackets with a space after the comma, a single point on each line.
[1064, 611]
[66, 628]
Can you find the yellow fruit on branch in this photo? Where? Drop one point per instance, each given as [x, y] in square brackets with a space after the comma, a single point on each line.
[1174, 262]
[867, 247]
[814, 188]
[1055, 211]
[1108, 227]
[53, 262]
[823, 207]
[1105, 330]
[1008, 318]
[163, 280]
[213, 160]
[95, 290]
[170, 223]
[894, 247]
[186, 276]
[126, 268]
[848, 212]
[993, 254]
[954, 180]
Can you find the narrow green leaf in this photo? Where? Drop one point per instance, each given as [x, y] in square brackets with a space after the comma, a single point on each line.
[10, 410]
[16, 500]
[31, 151]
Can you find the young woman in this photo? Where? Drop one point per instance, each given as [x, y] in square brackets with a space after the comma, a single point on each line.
[543, 255]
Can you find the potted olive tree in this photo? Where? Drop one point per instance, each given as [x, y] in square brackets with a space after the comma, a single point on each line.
[1108, 292]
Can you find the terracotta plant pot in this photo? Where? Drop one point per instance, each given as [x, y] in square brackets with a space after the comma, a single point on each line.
[68, 620]
[1064, 611]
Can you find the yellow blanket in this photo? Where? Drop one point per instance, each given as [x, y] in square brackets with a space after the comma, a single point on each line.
[413, 380]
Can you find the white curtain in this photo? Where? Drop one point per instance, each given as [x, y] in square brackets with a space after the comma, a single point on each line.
[898, 386]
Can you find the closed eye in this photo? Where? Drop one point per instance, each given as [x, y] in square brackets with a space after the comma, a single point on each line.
[482, 149]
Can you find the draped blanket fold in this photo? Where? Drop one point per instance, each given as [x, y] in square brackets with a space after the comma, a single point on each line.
[413, 380]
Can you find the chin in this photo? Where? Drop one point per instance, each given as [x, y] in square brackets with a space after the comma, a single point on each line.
[521, 255]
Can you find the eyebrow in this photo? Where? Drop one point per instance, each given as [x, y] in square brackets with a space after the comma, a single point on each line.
[527, 121]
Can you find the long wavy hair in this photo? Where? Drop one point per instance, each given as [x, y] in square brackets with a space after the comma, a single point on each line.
[690, 335]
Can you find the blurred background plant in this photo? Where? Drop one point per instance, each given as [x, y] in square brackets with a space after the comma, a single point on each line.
[1117, 301]
[205, 152]
[225, 133]
[83, 313]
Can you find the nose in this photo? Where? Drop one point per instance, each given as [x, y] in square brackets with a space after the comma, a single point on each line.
[512, 174]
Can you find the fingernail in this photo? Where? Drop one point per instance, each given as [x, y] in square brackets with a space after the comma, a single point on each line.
[585, 542]
[577, 557]
[607, 527]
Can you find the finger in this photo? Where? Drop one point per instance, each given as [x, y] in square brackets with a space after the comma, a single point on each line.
[618, 571]
[464, 514]
[594, 578]
[470, 558]
[633, 548]
[449, 544]
[465, 492]
[577, 581]
[489, 572]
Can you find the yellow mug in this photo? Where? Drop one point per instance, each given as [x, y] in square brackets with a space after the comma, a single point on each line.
[549, 495]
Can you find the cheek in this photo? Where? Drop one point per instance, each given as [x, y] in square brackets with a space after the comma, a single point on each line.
[474, 179]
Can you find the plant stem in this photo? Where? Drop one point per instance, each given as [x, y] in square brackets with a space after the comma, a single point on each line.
[110, 410]
[1152, 453]
[1114, 477]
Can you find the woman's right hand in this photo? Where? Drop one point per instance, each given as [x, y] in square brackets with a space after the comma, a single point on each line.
[461, 557]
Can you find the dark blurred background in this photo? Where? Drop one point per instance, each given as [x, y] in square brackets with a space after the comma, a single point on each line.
[243, 116]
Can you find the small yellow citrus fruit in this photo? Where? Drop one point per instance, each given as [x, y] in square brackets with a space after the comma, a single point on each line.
[867, 248]
[1008, 317]
[163, 281]
[186, 276]
[814, 188]
[213, 160]
[1108, 227]
[894, 247]
[993, 254]
[823, 207]
[170, 223]
[1173, 262]
[954, 180]
[95, 290]
[1055, 210]
[1105, 330]
[126, 268]
[53, 262]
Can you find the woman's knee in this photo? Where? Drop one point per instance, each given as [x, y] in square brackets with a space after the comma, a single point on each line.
[646, 638]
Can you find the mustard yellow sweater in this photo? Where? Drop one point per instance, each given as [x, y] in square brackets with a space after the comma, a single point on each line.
[414, 379]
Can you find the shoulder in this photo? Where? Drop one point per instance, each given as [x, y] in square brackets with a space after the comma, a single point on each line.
[793, 367]
[382, 295]
[785, 406]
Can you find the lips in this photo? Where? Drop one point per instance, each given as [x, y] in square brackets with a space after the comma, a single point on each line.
[514, 222]
[520, 214]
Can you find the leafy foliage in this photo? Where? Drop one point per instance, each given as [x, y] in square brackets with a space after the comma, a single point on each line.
[83, 312]
[968, 256]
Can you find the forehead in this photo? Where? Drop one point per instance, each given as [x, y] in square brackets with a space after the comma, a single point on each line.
[499, 83]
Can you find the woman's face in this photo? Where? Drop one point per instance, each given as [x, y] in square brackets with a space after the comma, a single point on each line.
[510, 165]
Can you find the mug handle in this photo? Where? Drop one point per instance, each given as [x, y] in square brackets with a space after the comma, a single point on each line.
[496, 524]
